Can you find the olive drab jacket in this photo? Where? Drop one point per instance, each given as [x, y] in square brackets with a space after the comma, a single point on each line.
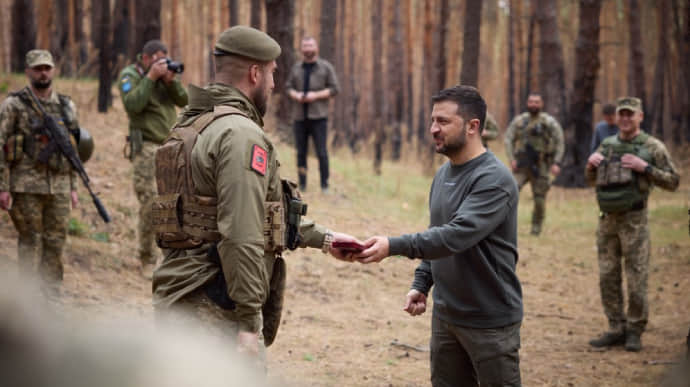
[542, 132]
[20, 144]
[150, 105]
[234, 161]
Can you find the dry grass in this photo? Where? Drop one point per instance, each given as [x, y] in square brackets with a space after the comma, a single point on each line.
[340, 319]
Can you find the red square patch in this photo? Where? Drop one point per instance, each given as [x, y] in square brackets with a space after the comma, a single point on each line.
[259, 160]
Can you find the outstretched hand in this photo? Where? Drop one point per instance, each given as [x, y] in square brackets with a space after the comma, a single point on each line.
[343, 254]
[377, 248]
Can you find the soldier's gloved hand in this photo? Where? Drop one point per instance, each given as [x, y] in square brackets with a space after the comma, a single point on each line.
[415, 304]
[594, 160]
[158, 69]
[5, 200]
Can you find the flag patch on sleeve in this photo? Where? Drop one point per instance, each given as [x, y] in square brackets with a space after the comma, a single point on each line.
[126, 84]
[259, 160]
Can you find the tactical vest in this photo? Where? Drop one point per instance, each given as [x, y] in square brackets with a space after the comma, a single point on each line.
[18, 144]
[622, 189]
[537, 135]
[185, 220]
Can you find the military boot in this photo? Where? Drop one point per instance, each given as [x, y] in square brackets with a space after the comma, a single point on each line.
[632, 342]
[609, 339]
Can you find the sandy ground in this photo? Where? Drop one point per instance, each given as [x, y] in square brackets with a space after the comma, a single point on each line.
[341, 321]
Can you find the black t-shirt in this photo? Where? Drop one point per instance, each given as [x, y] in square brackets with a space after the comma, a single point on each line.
[308, 67]
[469, 251]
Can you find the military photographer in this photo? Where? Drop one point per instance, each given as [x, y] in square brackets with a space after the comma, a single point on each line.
[150, 91]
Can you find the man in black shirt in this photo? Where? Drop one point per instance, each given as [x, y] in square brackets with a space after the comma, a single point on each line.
[469, 252]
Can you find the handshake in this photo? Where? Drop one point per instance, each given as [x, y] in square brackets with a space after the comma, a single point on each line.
[347, 248]
[374, 249]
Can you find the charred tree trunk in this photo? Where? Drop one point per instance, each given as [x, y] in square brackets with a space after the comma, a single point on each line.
[104, 57]
[511, 59]
[586, 69]
[329, 9]
[657, 104]
[440, 47]
[636, 76]
[409, 65]
[551, 66]
[529, 62]
[378, 95]
[396, 80]
[255, 14]
[234, 10]
[82, 51]
[60, 37]
[339, 120]
[426, 82]
[23, 32]
[147, 23]
[121, 28]
[280, 15]
[470, 48]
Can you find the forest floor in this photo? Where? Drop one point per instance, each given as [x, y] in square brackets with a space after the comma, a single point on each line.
[342, 321]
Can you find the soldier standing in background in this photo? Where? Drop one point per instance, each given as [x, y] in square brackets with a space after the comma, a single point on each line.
[224, 266]
[490, 131]
[149, 93]
[604, 128]
[534, 147]
[311, 83]
[37, 194]
[624, 169]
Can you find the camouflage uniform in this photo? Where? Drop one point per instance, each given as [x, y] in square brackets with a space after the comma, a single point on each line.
[626, 234]
[40, 192]
[490, 131]
[151, 109]
[543, 136]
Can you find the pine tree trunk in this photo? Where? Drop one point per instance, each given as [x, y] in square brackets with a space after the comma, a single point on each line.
[79, 36]
[104, 59]
[23, 32]
[280, 16]
[147, 23]
[255, 14]
[234, 10]
[396, 79]
[529, 62]
[551, 66]
[636, 73]
[378, 94]
[60, 37]
[470, 51]
[586, 69]
[329, 9]
[511, 58]
[121, 29]
[657, 105]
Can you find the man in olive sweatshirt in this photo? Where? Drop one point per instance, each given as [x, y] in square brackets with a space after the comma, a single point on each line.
[149, 93]
[469, 252]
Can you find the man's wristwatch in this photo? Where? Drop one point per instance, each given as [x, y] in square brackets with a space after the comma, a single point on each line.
[327, 242]
[648, 169]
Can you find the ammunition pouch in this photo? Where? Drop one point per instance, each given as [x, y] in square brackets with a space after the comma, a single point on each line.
[296, 209]
[14, 148]
[184, 221]
[274, 227]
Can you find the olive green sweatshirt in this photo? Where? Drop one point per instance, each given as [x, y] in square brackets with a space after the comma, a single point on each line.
[150, 105]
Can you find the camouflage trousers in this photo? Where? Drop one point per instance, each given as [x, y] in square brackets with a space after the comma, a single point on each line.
[145, 188]
[540, 186]
[624, 235]
[41, 221]
[197, 312]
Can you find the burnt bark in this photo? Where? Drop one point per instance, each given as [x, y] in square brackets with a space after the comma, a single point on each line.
[636, 74]
[234, 10]
[579, 129]
[470, 49]
[551, 66]
[511, 59]
[378, 95]
[105, 99]
[59, 41]
[329, 9]
[439, 44]
[657, 104]
[121, 29]
[529, 61]
[396, 79]
[279, 25]
[147, 24]
[255, 15]
[79, 36]
[23, 32]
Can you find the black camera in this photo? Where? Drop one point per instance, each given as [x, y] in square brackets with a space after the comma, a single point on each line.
[174, 66]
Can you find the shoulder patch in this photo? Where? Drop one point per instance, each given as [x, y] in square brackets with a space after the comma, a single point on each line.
[126, 84]
[259, 160]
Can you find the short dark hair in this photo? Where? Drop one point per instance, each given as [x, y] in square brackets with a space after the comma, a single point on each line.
[153, 46]
[470, 103]
[608, 109]
[534, 94]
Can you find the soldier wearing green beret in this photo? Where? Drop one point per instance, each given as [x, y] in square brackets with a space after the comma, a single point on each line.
[624, 169]
[150, 92]
[535, 147]
[37, 194]
[225, 265]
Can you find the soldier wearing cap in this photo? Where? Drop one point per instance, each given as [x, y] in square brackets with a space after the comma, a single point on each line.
[150, 91]
[37, 194]
[534, 146]
[234, 281]
[624, 169]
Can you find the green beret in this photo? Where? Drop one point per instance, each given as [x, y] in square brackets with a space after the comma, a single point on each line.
[629, 103]
[248, 42]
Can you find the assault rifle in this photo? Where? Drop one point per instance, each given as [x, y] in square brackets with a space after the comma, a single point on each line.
[529, 158]
[59, 142]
